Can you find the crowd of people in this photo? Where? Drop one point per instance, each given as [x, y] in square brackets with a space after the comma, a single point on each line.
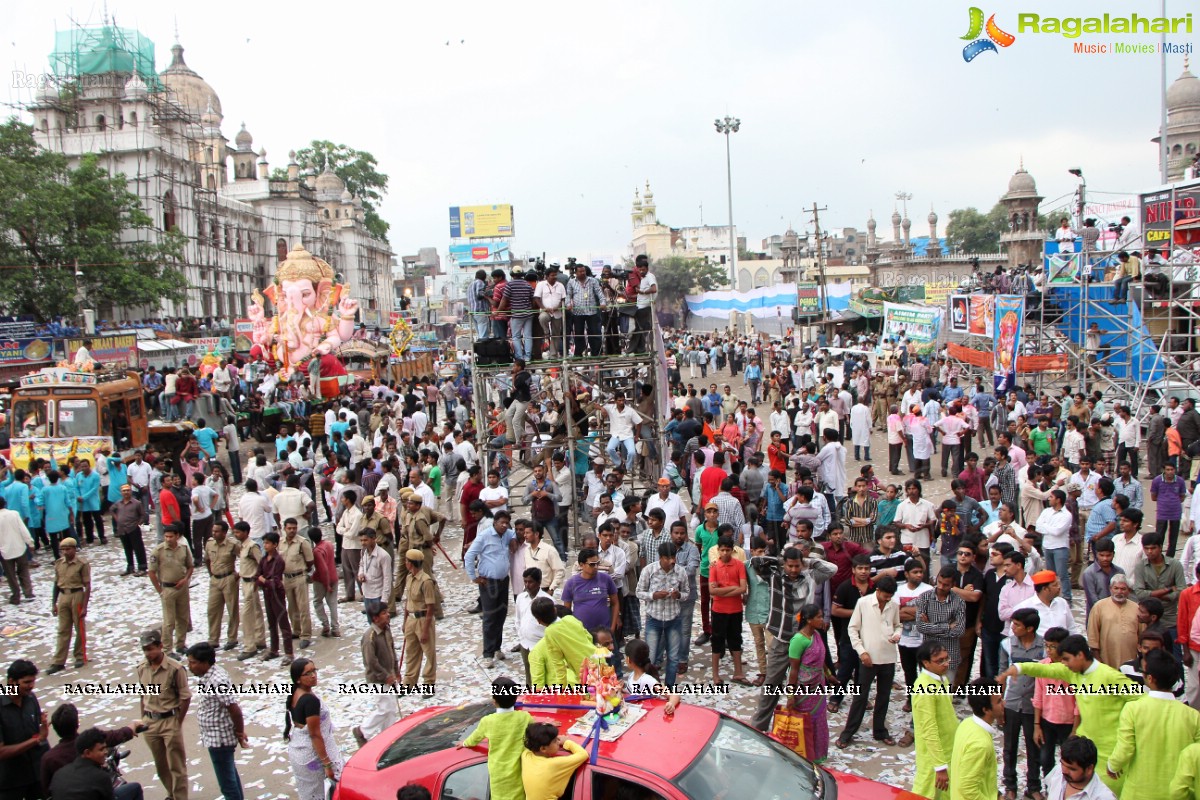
[1039, 557]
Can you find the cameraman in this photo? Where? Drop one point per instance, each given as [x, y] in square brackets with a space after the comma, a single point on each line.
[65, 722]
[87, 777]
[792, 582]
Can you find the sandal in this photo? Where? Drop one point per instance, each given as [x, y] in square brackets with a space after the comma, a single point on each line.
[760, 679]
[889, 741]
[741, 680]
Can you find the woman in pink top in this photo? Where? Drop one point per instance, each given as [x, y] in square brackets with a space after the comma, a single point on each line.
[952, 427]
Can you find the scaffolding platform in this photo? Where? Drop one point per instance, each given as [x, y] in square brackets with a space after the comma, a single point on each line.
[563, 378]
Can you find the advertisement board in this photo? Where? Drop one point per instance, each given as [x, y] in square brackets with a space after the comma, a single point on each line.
[808, 303]
[980, 314]
[481, 222]
[25, 451]
[242, 329]
[221, 345]
[919, 324]
[959, 315]
[480, 254]
[26, 352]
[118, 350]
[1010, 313]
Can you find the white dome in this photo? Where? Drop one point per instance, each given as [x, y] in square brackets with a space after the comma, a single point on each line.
[1021, 184]
[187, 88]
[135, 88]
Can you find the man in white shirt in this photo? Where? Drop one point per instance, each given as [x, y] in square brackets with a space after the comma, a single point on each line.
[668, 501]
[613, 554]
[139, 476]
[643, 319]
[417, 483]
[348, 525]
[916, 517]
[529, 630]
[464, 449]
[374, 568]
[291, 502]
[621, 419]
[83, 356]
[549, 295]
[608, 511]
[1053, 611]
[254, 509]
[494, 496]
[1054, 526]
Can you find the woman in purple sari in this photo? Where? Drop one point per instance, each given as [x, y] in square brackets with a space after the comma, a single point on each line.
[807, 654]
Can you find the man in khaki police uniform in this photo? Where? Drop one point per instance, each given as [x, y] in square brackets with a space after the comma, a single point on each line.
[297, 555]
[420, 631]
[220, 553]
[377, 522]
[163, 713]
[251, 617]
[72, 590]
[171, 568]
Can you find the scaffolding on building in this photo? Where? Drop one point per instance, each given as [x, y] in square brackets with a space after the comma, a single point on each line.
[1145, 347]
[565, 378]
[171, 157]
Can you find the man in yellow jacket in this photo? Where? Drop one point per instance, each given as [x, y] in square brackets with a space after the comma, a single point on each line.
[973, 768]
[1153, 732]
[934, 722]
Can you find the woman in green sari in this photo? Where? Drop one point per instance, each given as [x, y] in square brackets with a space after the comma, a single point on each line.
[807, 676]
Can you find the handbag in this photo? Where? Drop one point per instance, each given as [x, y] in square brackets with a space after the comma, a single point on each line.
[789, 727]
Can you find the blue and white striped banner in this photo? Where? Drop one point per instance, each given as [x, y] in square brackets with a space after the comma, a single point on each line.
[769, 301]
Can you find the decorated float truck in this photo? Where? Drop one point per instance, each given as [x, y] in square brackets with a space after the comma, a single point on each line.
[78, 413]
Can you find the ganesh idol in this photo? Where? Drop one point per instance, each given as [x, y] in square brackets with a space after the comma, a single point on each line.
[312, 313]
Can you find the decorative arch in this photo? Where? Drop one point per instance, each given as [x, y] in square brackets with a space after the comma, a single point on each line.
[762, 278]
[745, 280]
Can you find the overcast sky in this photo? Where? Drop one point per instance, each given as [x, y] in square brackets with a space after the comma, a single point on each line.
[563, 109]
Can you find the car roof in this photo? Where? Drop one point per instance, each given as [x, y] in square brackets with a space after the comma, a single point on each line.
[657, 743]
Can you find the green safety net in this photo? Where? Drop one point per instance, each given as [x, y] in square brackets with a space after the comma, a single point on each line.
[81, 52]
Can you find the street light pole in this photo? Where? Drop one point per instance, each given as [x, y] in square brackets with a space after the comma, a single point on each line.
[727, 126]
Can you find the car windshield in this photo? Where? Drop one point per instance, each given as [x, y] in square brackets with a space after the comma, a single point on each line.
[439, 732]
[738, 750]
[77, 418]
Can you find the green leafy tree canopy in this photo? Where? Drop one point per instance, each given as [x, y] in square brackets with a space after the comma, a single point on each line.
[678, 276]
[358, 169]
[74, 235]
[972, 231]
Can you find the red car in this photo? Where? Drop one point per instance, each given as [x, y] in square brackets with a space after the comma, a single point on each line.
[696, 754]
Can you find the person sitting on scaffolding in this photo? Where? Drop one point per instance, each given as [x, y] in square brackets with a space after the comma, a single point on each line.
[1156, 280]
[621, 421]
[1129, 269]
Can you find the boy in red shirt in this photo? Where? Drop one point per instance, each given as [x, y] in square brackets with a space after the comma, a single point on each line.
[728, 587]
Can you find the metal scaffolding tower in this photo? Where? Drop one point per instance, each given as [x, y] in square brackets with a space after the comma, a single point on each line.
[586, 435]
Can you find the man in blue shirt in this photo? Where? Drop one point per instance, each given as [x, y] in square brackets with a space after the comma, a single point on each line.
[207, 437]
[712, 402]
[487, 564]
[952, 392]
[983, 402]
[776, 491]
[1103, 519]
[56, 506]
[753, 376]
[87, 488]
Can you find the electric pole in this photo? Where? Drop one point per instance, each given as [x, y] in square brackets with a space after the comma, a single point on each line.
[816, 212]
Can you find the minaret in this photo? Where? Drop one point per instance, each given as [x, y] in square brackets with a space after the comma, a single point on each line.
[636, 212]
[896, 226]
[934, 249]
[871, 230]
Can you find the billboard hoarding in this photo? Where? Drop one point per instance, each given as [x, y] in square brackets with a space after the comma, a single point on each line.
[108, 349]
[980, 314]
[481, 222]
[808, 300]
[1009, 315]
[25, 352]
[480, 254]
[959, 316]
[919, 324]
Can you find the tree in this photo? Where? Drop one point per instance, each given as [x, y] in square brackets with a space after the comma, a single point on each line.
[971, 231]
[70, 234]
[358, 169]
[678, 276]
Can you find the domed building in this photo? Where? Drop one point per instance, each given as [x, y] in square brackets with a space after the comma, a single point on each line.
[235, 230]
[1183, 124]
[186, 88]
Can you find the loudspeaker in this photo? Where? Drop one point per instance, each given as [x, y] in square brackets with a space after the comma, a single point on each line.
[492, 351]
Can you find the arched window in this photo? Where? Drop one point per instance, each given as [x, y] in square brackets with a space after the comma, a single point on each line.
[228, 238]
[238, 240]
[249, 243]
[45, 125]
[212, 182]
[761, 278]
[1191, 148]
[101, 122]
[1177, 150]
[168, 221]
[281, 249]
[133, 118]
